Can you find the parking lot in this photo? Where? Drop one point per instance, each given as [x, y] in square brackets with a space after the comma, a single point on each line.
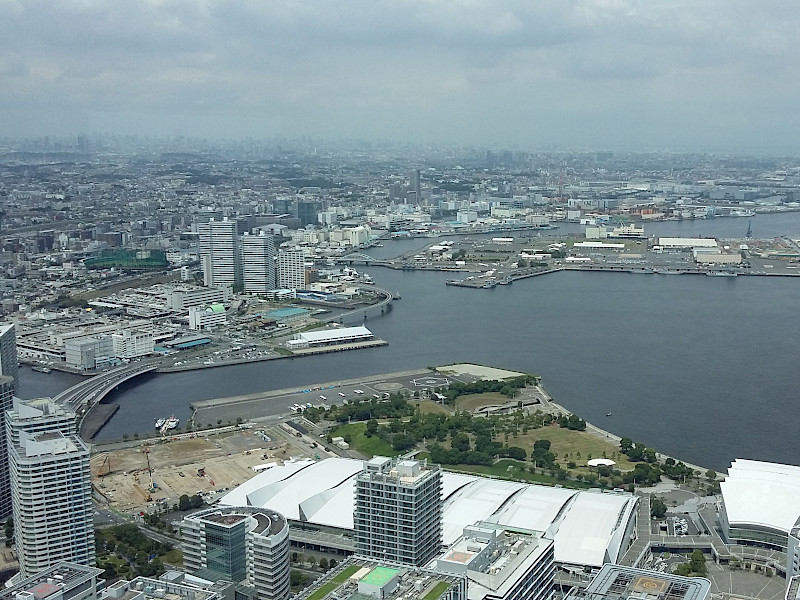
[284, 402]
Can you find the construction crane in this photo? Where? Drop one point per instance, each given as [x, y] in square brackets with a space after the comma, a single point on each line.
[149, 468]
[105, 467]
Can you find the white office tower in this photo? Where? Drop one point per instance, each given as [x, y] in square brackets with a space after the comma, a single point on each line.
[243, 544]
[398, 512]
[220, 254]
[258, 263]
[9, 366]
[51, 486]
[6, 402]
[291, 269]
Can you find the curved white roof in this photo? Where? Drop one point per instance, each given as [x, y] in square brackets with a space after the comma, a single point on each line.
[476, 501]
[591, 531]
[762, 494]
[588, 527]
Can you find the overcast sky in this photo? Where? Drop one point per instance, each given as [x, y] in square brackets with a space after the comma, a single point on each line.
[715, 74]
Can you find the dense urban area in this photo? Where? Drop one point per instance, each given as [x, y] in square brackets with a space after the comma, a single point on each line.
[123, 256]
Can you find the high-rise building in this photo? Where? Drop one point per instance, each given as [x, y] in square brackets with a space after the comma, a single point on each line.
[6, 402]
[8, 354]
[245, 545]
[51, 486]
[220, 254]
[291, 269]
[415, 187]
[258, 263]
[307, 210]
[398, 511]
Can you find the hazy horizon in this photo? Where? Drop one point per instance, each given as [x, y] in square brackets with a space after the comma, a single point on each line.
[715, 75]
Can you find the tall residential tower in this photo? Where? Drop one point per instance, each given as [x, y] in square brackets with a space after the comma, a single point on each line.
[398, 512]
[258, 263]
[51, 486]
[220, 253]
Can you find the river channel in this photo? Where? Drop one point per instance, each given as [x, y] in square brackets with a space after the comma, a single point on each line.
[704, 369]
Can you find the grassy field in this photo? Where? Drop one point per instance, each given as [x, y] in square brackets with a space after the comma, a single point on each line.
[580, 446]
[512, 469]
[437, 591]
[345, 574]
[323, 591]
[427, 407]
[369, 446]
[472, 401]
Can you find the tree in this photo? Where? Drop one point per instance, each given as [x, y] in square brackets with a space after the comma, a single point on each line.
[372, 427]
[543, 444]
[697, 562]
[323, 564]
[658, 509]
[296, 578]
[711, 474]
[184, 503]
[625, 445]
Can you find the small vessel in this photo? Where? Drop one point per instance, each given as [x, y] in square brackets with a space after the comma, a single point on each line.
[721, 274]
[609, 414]
[41, 369]
[160, 422]
[172, 422]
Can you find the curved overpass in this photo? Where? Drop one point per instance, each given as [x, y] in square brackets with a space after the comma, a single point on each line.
[84, 395]
[387, 299]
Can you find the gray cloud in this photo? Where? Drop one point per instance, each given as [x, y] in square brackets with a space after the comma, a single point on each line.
[598, 72]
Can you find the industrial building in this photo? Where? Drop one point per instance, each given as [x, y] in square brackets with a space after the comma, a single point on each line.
[242, 544]
[589, 528]
[330, 337]
[686, 243]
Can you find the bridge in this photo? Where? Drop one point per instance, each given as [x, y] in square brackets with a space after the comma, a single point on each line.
[359, 258]
[386, 301]
[84, 395]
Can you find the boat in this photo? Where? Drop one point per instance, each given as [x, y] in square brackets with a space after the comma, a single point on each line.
[721, 274]
[172, 423]
[41, 369]
[609, 414]
[160, 422]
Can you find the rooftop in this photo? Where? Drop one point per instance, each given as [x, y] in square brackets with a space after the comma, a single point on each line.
[342, 582]
[762, 494]
[614, 582]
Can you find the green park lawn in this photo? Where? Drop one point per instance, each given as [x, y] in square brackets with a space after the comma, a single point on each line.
[470, 402]
[368, 446]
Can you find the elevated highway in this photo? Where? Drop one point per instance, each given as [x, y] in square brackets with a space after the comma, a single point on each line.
[84, 395]
[386, 300]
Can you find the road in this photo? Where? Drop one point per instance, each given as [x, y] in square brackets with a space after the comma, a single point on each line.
[87, 393]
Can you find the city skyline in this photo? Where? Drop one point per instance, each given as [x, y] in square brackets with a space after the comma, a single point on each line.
[709, 76]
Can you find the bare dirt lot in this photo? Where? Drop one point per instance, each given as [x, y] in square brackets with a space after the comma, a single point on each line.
[122, 475]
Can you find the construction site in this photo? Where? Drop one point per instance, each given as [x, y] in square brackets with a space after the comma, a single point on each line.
[148, 475]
